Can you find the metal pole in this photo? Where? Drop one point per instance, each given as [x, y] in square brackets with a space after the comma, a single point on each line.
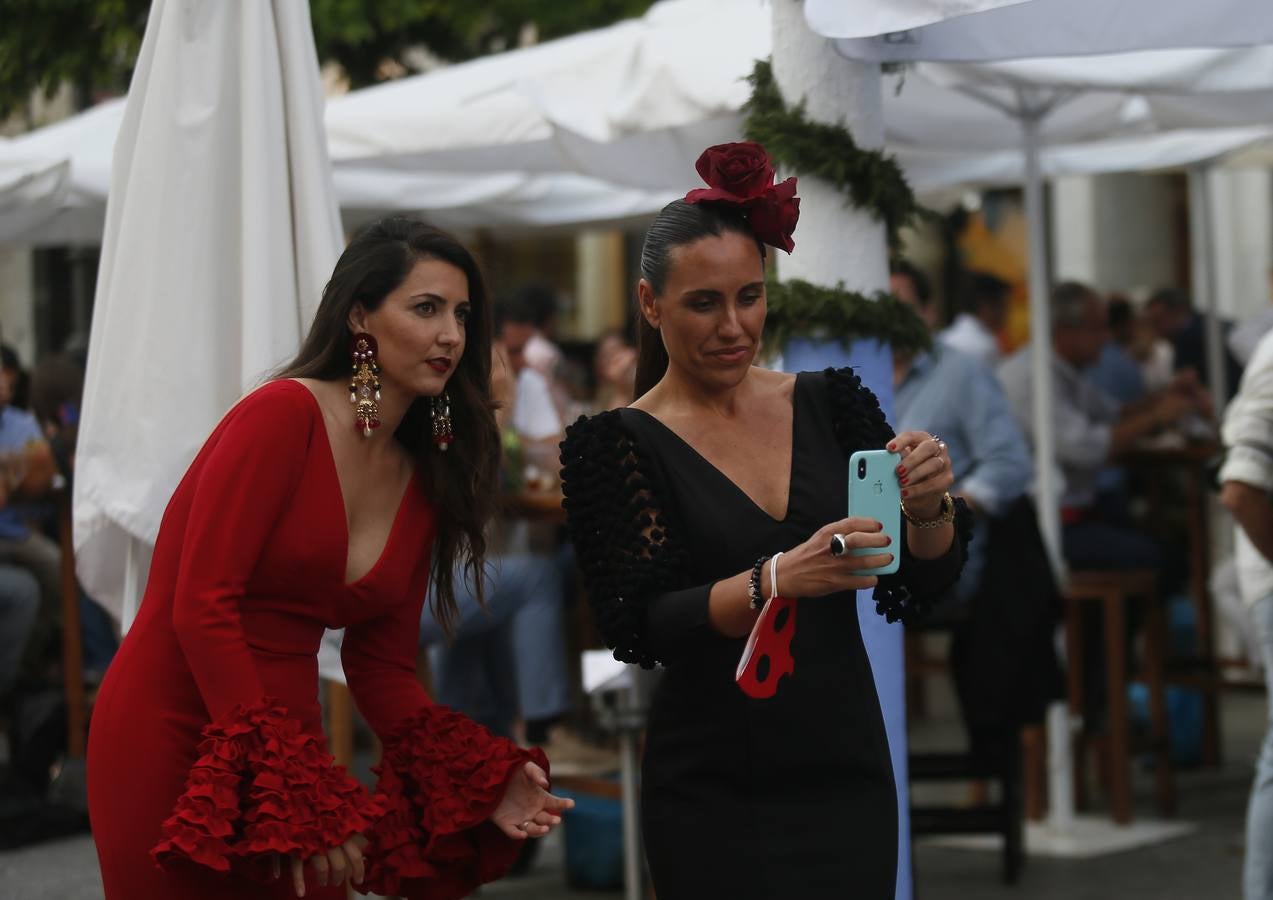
[633, 869]
[1041, 342]
[1202, 251]
[1060, 761]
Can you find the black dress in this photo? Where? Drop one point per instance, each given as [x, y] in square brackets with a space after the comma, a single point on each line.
[790, 797]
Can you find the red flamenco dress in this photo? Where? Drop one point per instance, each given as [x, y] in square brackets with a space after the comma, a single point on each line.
[206, 752]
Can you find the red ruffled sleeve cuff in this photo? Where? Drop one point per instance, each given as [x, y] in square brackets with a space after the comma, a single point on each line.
[262, 785]
[441, 777]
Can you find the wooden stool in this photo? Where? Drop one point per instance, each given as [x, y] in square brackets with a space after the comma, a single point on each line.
[1113, 590]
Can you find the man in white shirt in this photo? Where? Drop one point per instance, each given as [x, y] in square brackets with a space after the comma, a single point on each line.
[983, 311]
[1247, 491]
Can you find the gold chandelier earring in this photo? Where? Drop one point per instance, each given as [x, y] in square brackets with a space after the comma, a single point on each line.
[440, 413]
[364, 385]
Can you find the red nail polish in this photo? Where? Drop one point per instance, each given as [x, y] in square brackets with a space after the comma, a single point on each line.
[905, 493]
[887, 541]
[904, 480]
[901, 470]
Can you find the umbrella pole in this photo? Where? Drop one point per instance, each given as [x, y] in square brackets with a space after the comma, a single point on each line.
[1202, 252]
[1060, 764]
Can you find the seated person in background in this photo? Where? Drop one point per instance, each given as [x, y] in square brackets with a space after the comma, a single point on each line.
[1171, 313]
[509, 659]
[27, 470]
[960, 400]
[1116, 371]
[983, 302]
[1091, 429]
[614, 366]
[529, 319]
[19, 605]
[57, 388]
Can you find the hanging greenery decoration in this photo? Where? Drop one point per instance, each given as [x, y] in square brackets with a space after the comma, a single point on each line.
[871, 180]
[801, 309]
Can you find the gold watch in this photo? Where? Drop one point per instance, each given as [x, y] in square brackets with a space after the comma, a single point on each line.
[945, 517]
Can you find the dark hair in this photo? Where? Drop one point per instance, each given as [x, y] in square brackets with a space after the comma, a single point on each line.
[534, 303]
[20, 397]
[981, 290]
[1068, 304]
[1119, 311]
[1172, 299]
[677, 225]
[907, 269]
[462, 482]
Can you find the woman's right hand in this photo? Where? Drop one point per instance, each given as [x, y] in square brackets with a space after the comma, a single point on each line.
[810, 569]
[333, 867]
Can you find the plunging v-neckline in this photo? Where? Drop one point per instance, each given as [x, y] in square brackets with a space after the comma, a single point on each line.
[791, 470]
[344, 508]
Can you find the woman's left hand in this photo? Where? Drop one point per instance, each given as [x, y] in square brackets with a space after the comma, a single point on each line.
[925, 473]
[527, 809]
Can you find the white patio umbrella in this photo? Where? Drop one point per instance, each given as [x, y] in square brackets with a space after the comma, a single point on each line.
[54, 182]
[959, 30]
[1052, 28]
[221, 229]
[627, 104]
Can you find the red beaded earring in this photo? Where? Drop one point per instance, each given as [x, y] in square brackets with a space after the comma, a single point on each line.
[364, 385]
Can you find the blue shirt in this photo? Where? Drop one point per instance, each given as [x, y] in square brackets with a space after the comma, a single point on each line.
[954, 396]
[18, 430]
[1118, 375]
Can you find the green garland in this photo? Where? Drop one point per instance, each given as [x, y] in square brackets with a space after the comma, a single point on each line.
[800, 309]
[871, 178]
[873, 181]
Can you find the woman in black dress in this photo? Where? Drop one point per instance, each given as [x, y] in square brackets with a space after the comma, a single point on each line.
[672, 501]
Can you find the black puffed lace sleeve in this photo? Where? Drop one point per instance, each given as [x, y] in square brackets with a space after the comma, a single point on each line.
[919, 583]
[623, 536]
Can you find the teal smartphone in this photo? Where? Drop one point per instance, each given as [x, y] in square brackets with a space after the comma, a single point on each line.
[874, 493]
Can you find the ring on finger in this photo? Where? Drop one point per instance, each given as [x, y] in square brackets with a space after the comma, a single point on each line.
[839, 546]
[525, 826]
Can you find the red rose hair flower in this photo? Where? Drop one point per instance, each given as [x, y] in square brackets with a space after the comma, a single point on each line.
[742, 175]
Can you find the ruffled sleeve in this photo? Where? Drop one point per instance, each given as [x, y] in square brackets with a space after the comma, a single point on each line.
[261, 785]
[440, 779]
[624, 535]
[441, 774]
[860, 424]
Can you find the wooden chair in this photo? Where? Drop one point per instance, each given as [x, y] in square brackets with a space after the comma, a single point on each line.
[1113, 592]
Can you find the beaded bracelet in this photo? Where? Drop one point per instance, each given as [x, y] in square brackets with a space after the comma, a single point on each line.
[757, 602]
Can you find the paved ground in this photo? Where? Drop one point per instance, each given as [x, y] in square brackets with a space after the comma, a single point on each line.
[1202, 866]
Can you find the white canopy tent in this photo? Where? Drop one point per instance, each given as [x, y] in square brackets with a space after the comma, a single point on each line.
[221, 230]
[1059, 28]
[964, 31]
[54, 184]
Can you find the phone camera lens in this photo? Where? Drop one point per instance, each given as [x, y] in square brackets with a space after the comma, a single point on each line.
[861, 468]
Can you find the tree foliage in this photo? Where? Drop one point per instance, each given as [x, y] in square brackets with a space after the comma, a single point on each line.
[93, 44]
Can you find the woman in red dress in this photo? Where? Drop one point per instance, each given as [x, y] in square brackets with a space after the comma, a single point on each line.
[209, 775]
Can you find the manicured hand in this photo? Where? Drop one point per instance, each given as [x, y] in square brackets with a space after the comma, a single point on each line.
[925, 472]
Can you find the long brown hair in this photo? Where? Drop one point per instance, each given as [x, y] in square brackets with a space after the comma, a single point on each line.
[677, 225]
[463, 481]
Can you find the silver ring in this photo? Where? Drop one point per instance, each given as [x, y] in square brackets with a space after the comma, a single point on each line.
[839, 546]
[525, 826]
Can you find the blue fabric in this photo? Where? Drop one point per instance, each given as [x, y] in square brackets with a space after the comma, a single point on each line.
[510, 657]
[873, 362]
[954, 396]
[18, 429]
[1118, 375]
